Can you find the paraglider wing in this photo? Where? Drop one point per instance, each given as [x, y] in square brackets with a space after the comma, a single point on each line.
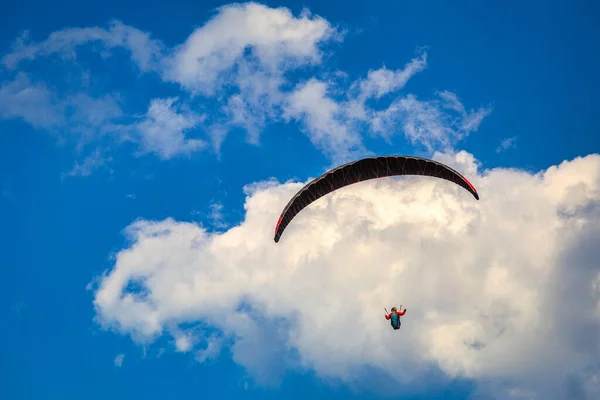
[362, 170]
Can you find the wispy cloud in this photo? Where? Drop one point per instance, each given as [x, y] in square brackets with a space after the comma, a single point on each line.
[213, 58]
[75, 115]
[325, 119]
[384, 81]
[470, 120]
[119, 360]
[216, 215]
[90, 117]
[337, 124]
[163, 129]
[145, 51]
[210, 351]
[233, 75]
[33, 102]
[426, 122]
[89, 164]
[506, 144]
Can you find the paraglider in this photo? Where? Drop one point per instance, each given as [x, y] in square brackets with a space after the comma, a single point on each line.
[394, 317]
[362, 170]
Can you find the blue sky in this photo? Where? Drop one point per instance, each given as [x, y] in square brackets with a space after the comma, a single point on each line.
[93, 139]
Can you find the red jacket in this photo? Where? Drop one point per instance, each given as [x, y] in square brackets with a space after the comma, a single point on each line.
[401, 313]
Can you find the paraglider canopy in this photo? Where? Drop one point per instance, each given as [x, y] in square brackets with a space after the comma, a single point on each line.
[362, 170]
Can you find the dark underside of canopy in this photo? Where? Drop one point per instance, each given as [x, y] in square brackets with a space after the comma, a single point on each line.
[362, 170]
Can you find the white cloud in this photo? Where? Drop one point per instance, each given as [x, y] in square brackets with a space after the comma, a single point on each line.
[91, 116]
[240, 63]
[337, 125]
[217, 216]
[183, 343]
[241, 57]
[276, 38]
[163, 130]
[33, 102]
[252, 107]
[145, 51]
[470, 120]
[210, 350]
[383, 81]
[248, 48]
[78, 114]
[325, 120]
[119, 360]
[426, 122]
[499, 290]
[506, 144]
[89, 164]
[257, 101]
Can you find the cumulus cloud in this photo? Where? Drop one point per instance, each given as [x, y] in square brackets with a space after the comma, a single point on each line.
[276, 38]
[503, 290]
[242, 56]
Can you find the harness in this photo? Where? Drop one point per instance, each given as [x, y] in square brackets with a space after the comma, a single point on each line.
[395, 321]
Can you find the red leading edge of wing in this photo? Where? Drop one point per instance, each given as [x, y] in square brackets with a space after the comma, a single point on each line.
[470, 185]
